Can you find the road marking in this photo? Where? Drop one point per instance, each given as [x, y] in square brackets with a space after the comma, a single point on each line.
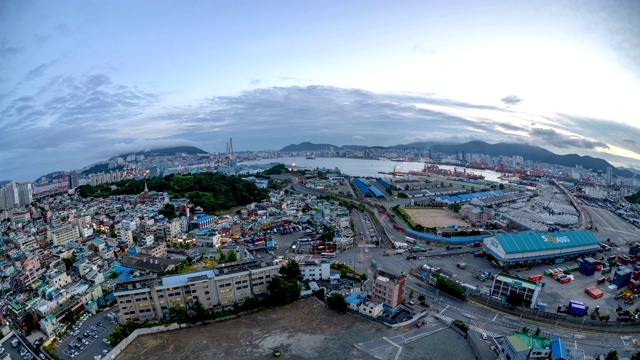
[471, 327]
[494, 318]
[446, 307]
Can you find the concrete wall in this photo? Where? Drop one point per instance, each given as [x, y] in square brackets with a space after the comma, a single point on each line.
[134, 335]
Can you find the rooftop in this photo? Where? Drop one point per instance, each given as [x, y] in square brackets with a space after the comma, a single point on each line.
[529, 241]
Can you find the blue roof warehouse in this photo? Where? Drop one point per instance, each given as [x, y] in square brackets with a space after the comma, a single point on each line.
[533, 248]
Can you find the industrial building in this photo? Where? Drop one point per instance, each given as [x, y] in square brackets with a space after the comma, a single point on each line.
[367, 190]
[529, 247]
[504, 284]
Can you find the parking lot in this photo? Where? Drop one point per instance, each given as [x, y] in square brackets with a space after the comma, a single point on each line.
[86, 342]
[18, 352]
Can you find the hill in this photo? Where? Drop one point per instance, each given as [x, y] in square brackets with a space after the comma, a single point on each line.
[191, 150]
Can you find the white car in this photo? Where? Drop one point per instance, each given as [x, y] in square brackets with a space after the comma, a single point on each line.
[484, 336]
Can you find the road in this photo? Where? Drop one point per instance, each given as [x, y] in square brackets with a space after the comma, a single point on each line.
[480, 317]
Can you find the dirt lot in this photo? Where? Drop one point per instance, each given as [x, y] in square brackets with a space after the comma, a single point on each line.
[303, 330]
[434, 217]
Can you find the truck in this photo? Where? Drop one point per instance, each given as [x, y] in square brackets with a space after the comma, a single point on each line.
[399, 251]
[374, 263]
[416, 249]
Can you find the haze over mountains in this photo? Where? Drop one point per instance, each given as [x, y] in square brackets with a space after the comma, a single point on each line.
[529, 152]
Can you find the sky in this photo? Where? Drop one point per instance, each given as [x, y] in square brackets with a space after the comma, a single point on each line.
[82, 81]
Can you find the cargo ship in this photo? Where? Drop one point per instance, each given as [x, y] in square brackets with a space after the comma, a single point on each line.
[435, 170]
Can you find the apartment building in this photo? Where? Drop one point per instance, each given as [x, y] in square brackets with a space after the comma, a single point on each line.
[388, 289]
[158, 249]
[63, 234]
[150, 298]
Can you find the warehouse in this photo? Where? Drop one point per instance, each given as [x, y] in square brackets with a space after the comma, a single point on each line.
[529, 247]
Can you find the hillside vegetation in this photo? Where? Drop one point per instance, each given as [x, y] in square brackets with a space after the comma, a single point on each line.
[212, 191]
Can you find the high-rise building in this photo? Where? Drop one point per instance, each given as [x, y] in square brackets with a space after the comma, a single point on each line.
[609, 175]
[25, 193]
[518, 161]
[9, 196]
[74, 180]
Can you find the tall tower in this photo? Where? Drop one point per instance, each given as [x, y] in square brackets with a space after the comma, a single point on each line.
[609, 175]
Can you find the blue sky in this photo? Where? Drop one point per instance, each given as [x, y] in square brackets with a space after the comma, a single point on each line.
[81, 81]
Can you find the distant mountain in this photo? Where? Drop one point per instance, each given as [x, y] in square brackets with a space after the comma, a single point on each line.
[528, 152]
[533, 153]
[3, 182]
[191, 150]
[635, 171]
[307, 146]
[98, 168]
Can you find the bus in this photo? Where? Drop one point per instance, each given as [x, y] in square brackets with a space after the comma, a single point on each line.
[328, 255]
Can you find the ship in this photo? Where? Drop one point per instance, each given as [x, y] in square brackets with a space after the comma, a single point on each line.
[436, 170]
[311, 157]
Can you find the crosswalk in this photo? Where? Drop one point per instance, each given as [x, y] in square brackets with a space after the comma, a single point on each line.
[471, 327]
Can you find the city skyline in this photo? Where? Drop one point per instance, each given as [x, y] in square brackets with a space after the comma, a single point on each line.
[91, 80]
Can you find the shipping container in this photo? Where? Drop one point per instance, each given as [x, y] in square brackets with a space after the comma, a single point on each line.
[558, 261]
[536, 278]
[594, 292]
[462, 265]
[564, 280]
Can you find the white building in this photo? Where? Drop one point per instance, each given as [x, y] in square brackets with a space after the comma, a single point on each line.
[312, 270]
[370, 308]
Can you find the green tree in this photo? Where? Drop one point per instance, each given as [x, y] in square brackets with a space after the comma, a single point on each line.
[200, 313]
[525, 330]
[232, 257]
[337, 302]
[114, 275]
[422, 298]
[178, 314]
[291, 271]
[282, 292]
[411, 294]
[222, 258]
[363, 277]
[538, 332]
[189, 260]
[612, 355]
[635, 356]
[68, 262]
[514, 299]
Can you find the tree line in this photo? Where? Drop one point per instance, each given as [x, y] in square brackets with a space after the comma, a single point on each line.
[213, 191]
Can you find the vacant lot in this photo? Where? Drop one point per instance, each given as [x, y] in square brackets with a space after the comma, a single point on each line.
[434, 217]
[303, 330]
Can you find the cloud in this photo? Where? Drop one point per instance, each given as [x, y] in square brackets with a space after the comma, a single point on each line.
[254, 82]
[39, 71]
[89, 118]
[630, 142]
[511, 100]
[42, 39]
[423, 50]
[7, 49]
[551, 137]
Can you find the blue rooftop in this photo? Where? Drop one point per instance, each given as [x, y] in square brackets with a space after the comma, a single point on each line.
[531, 241]
[355, 298]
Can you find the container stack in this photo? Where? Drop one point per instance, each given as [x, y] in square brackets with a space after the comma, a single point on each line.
[622, 277]
[588, 266]
[535, 278]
